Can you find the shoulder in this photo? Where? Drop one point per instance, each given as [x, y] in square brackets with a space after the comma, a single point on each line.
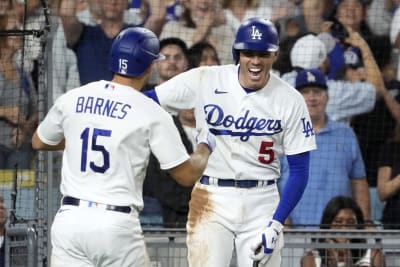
[283, 88]
[342, 127]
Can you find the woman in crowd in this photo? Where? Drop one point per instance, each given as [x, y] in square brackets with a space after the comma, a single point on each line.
[343, 213]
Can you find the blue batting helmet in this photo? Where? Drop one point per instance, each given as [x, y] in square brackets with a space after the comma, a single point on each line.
[256, 34]
[133, 51]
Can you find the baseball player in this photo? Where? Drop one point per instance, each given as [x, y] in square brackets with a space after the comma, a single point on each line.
[256, 118]
[107, 130]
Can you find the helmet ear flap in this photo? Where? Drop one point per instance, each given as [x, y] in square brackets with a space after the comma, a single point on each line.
[235, 55]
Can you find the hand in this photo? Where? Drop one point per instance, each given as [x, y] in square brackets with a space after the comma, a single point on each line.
[18, 136]
[263, 248]
[204, 136]
[12, 114]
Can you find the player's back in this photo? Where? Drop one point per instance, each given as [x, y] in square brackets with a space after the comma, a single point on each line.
[107, 129]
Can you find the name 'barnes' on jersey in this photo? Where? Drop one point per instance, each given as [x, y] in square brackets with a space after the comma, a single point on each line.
[101, 106]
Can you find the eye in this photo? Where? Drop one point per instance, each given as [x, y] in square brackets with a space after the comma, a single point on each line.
[252, 53]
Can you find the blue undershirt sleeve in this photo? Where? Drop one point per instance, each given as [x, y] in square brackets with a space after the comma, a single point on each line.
[152, 94]
[295, 185]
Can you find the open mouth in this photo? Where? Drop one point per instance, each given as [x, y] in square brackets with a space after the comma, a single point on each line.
[255, 73]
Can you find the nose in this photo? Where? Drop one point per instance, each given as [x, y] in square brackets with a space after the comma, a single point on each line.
[255, 59]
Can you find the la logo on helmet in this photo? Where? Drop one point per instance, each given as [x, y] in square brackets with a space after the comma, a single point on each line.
[255, 34]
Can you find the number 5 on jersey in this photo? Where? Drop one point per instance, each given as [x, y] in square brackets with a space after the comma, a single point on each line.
[266, 155]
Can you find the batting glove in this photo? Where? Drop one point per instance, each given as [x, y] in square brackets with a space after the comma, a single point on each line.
[204, 136]
[263, 247]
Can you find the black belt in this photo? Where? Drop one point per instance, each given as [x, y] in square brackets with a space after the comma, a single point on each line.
[235, 183]
[77, 202]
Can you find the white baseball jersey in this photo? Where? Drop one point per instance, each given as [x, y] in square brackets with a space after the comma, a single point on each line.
[110, 130]
[253, 129]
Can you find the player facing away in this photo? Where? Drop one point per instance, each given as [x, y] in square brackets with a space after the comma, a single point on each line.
[107, 130]
[256, 117]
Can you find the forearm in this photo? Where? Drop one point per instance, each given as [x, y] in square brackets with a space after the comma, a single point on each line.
[392, 105]
[372, 70]
[37, 144]
[360, 193]
[295, 186]
[387, 187]
[72, 26]
[156, 20]
[192, 169]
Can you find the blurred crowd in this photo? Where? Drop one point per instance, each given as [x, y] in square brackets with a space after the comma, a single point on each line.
[348, 48]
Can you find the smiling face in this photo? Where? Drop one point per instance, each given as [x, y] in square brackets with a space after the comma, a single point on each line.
[344, 219]
[255, 67]
[350, 13]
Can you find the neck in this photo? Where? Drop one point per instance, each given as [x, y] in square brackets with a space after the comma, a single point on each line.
[318, 122]
[111, 27]
[137, 83]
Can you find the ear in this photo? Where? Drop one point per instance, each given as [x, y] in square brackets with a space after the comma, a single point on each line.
[277, 53]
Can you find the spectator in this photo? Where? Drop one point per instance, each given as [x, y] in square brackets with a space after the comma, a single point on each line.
[236, 11]
[349, 16]
[203, 54]
[382, 116]
[65, 75]
[203, 21]
[6, 6]
[18, 110]
[379, 16]
[92, 14]
[93, 59]
[336, 167]
[163, 195]
[32, 15]
[313, 15]
[3, 221]
[389, 181]
[346, 99]
[343, 213]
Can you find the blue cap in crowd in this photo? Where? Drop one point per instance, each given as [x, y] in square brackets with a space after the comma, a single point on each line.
[311, 77]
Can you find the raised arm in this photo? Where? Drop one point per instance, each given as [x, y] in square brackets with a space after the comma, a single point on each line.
[72, 26]
[372, 72]
[157, 17]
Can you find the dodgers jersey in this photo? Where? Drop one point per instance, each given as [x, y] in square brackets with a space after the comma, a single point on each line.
[252, 129]
[109, 131]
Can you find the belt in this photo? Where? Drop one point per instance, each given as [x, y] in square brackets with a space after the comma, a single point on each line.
[207, 180]
[85, 203]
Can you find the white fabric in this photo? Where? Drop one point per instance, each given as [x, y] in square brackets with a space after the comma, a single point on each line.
[308, 52]
[105, 238]
[276, 110]
[107, 149]
[219, 214]
[395, 26]
[346, 99]
[221, 37]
